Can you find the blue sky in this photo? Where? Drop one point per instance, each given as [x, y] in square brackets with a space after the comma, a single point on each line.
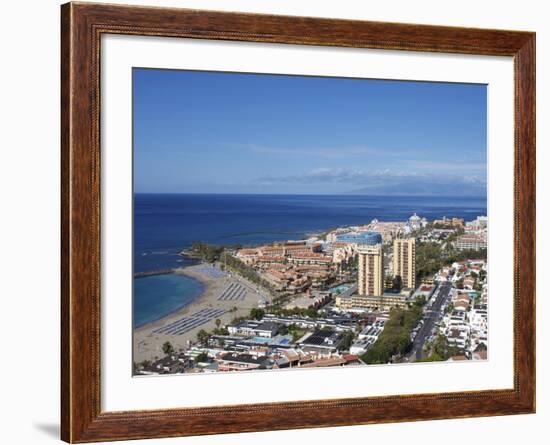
[206, 132]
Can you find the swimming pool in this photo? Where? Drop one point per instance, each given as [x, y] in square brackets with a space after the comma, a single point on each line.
[261, 339]
[339, 289]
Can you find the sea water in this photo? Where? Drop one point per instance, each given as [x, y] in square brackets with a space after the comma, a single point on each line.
[164, 224]
[159, 295]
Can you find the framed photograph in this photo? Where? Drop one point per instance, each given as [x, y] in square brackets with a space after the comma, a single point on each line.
[274, 222]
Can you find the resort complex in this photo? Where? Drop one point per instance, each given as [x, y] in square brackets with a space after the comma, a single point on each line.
[376, 293]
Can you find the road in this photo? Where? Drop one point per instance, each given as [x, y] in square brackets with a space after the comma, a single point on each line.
[432, 316]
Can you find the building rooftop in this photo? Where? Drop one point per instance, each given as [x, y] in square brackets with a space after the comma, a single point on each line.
[267, 326]
[334, 361]
[367, 238]
[243, 358]
[322, 337]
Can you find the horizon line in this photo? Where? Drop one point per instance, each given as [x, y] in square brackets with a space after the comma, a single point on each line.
[308, 194]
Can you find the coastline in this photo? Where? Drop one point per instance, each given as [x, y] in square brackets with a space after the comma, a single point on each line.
[180, 310]
[148, 344]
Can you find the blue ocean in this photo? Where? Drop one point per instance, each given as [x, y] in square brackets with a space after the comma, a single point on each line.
[164, 224]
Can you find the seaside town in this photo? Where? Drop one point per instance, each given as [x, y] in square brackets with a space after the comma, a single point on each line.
[378, 293]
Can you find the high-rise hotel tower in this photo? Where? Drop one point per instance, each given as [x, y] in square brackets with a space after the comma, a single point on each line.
[404, 261]
[371, 270]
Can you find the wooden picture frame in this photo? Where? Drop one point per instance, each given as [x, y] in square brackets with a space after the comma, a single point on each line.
[82, 25]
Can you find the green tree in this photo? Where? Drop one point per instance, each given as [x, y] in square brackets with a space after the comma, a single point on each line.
[397, 283]
[301, 312]
[257, 313]
[202, 357]
[207, 252]
[441, 350]
[167, 348]
[218, 322]
[420, 301]
[245, 271]
[395, 338]
[481, 347]
[347, 341]
[430, 256]
[283, 329]
[220, 331]
[203, 336]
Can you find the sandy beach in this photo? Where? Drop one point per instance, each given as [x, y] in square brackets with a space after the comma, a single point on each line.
[148, 344]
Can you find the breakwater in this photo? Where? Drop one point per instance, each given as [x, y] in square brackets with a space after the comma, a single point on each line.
[151, 273]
